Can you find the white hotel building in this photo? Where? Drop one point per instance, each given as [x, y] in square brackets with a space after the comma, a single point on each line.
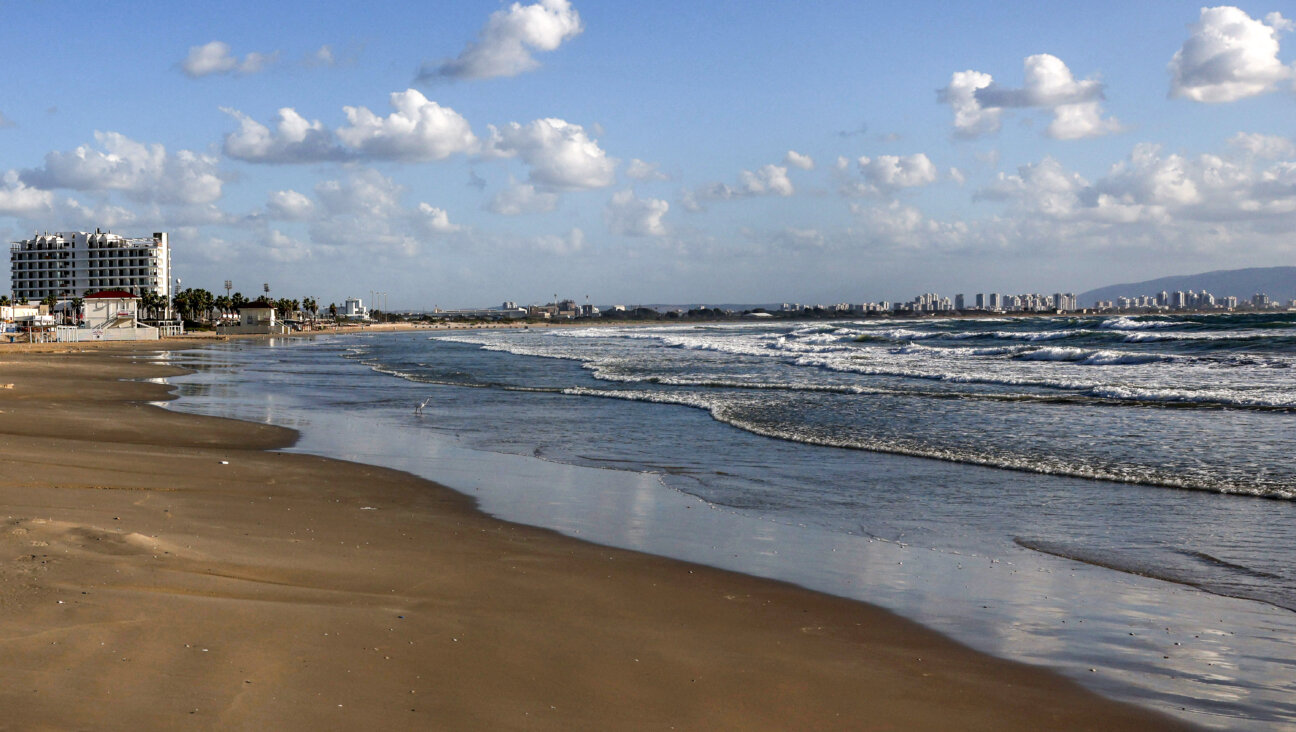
[71, 263]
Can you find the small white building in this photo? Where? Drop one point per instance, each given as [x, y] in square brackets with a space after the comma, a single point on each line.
[18, 312]
[111, 309]
[354, 309]
[110, 315]
[255, 318]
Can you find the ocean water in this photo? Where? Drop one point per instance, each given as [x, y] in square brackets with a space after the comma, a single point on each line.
[1112, 497]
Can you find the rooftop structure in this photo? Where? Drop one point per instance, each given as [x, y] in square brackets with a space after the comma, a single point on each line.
[71, 263]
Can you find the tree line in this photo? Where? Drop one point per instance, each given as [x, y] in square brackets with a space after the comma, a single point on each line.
[196, 304]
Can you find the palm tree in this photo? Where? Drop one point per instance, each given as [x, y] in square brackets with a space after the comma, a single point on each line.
[77, 302]
[151, 302]
[224, 303]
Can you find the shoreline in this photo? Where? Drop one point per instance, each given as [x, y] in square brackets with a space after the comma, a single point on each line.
[325, 605]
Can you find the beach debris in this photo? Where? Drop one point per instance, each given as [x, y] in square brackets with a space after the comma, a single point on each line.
[368, 508]
[224, 462]
[6, 386]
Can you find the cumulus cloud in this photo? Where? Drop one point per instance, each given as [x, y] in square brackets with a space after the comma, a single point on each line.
[364, 210]
[794, 159]
[1045, 188]
[365, 192]
[978, 102]
[19, 199]
[280, 247]
[572, 242]
[768, 180]
[559, 154]
[971, 119]
[216, 58]
[1263, 146]
[629, 215]
[522, 198]
[1229, 56]
[1153, 186]
[889, 172]
[290, 205]
[897, 226]
[294, 140]
[434, 220]
[639, 170]
[418, 130]
[143, 172]
[506, 43]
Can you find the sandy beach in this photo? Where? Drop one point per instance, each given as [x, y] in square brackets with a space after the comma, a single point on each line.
[162, 570]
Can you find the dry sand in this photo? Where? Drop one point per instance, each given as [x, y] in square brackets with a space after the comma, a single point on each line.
[165, 571]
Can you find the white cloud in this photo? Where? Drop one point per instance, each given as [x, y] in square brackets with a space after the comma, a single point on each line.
[215, 58]
[767, 179]
[639, 170]
[1077, 121]
[1039, 188]
[1150, 177]
[419, 130]
[324, 56]
[971, 119]
[688, 201]
[1263, 146]
[290, 205]
[1171, 190]
[434, 220]
[764, 181]
[522, 198]
[898, 226]
[294, 140]
[1229, 56]
[571, 243]
[978, 102]
[366, 192]
[144, 172]
[560, 155]
[363, 212]
[280, 247]
[629, 215]
[18, 199]
[510, 36]
[889, 172]
[795, 159]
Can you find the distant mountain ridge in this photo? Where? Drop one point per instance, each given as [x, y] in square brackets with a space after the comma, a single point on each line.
[1277, 282]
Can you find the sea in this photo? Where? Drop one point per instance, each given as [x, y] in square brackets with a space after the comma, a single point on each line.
[1111, 497]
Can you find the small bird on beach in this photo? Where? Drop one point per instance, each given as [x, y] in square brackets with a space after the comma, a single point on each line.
[419, 409]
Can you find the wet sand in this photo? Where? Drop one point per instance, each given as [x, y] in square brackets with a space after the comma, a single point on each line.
[160, 570]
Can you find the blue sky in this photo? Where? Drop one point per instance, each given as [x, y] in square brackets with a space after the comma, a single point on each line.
[467, 153]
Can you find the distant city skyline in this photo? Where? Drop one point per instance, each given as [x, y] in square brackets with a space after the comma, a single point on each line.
[761, 152]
